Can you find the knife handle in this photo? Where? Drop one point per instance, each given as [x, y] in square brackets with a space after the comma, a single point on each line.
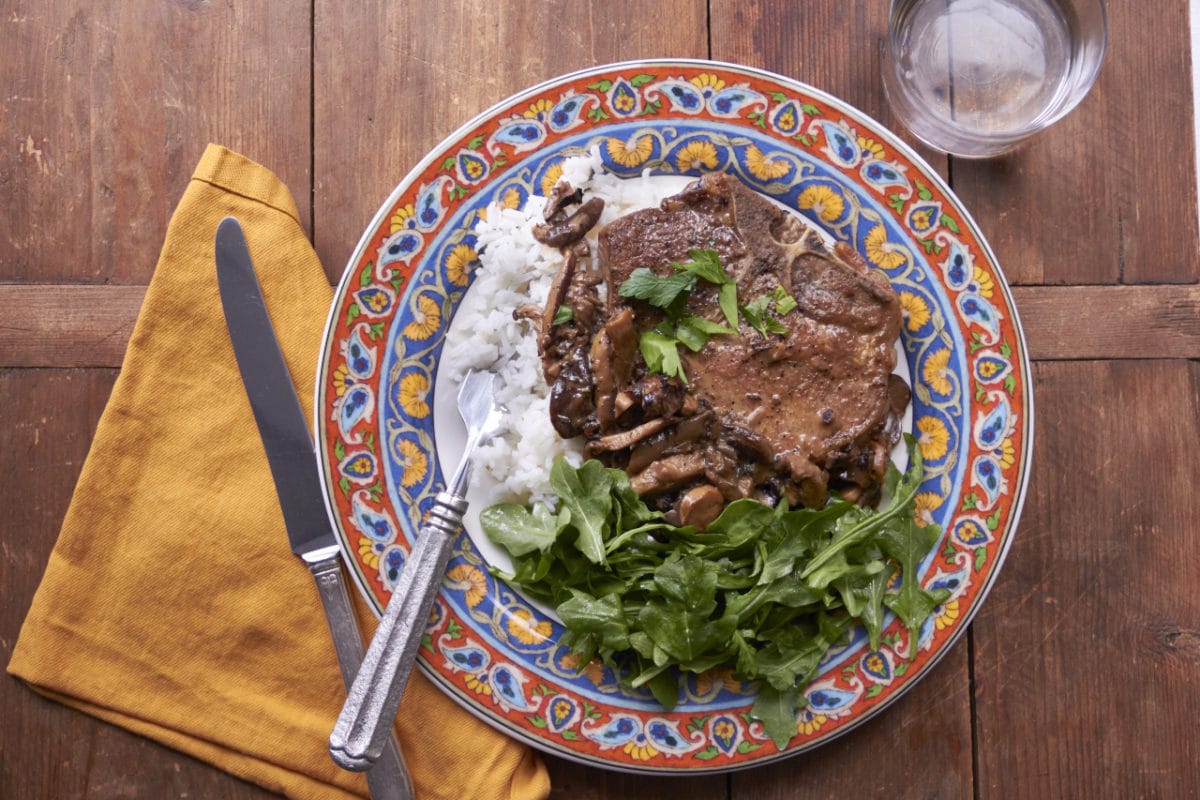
[389, 780]
[374, 698]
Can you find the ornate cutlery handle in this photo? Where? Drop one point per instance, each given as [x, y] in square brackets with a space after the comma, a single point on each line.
[389, 780]
[374, 697]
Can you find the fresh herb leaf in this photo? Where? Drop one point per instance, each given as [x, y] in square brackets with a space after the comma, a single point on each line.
[757, 317]
[519, 530]
[784, 302]
[727, 298]
[602, 618]
[563, 315]
[660, 292]
[661, 354]
[585, 494]
[693, 331]
[707, 265]
[907, 542]
[777, 711]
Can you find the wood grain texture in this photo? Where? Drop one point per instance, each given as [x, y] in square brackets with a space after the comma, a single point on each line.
[836, 47]
[1110, 322]
[1108, 194]
[107, 107]
[66, 326]
[394, 79]
[1090, 643]
[47, 421]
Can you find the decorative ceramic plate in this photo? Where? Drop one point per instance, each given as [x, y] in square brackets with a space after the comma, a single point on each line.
[379, 408]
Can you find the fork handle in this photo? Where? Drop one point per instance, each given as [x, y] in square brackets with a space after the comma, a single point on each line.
[373, 699]
[389, 779]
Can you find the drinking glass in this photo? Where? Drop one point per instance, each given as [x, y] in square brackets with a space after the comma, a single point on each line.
[975, 78]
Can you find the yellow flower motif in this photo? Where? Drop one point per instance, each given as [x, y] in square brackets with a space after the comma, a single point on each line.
[706, 80]
[926, 503]
[984, 280]
[378, 300]
[1008, 454]
[624, 100]
[828, 204]
[937, 377]
[765, 168]
[640, 752]
[631, 153]
[400, 217]
[696, 154]
[542, 106]
[478, 686]
[460, 263]
[368, 553]
[414, 389]
[947, 616]
[339, 379]
[787, 120]
[724, 730]
[413, 463]
[881, 252]
[474, 167]
[914, 309]
[875, 663]
[522, 626]
[551, 178]
[933, 438]
[471, 581]
[426, 319]
[922, 219]
[810, 725]
[510, 199]
[870, 147]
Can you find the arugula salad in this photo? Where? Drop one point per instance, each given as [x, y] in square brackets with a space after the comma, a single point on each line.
[765, 591]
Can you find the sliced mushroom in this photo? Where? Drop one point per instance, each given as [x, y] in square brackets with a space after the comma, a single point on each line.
[652, 448]
[668, 473]
[700, 505]
[625, 439]
[573, 228]
[562, 195]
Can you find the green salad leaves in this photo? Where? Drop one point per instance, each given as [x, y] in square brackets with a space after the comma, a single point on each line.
[764, 591]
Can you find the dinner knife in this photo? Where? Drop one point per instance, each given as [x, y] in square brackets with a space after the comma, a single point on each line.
[290, 453]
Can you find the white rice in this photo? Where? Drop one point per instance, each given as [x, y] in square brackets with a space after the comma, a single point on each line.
[516, 270]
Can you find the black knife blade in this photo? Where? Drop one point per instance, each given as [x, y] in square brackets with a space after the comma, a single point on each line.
[288, 443]
[277, 410]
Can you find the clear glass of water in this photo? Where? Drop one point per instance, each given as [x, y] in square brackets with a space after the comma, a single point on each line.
[975, 78]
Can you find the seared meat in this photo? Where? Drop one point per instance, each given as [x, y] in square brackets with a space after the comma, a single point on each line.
[783, 416]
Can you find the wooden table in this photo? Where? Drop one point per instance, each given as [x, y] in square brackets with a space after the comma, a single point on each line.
[1081, 675]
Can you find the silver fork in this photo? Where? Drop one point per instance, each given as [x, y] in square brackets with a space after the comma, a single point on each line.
[363, 726]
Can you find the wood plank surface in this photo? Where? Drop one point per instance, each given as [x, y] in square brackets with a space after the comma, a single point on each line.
[419, 71]
[1108, 194]
[105, 109]
[1089, 646]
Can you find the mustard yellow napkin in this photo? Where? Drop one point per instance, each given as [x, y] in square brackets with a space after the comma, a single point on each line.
[172, 605]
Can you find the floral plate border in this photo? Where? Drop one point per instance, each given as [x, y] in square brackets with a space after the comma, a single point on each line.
[488, 648]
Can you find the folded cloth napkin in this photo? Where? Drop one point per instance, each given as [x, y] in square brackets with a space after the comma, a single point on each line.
[171, 604]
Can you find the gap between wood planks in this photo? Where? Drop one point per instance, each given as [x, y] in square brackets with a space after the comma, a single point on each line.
[89, 326]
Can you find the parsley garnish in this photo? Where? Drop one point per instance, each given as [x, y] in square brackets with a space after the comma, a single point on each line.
[660, 346]
[562, 315]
